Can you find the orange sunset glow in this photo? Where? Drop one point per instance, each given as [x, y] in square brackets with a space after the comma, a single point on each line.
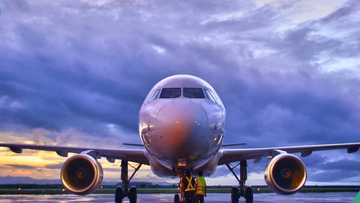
[44, 166]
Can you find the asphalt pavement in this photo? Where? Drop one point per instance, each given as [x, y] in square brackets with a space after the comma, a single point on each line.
[162, 198]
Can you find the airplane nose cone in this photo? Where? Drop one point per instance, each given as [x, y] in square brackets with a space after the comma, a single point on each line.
[184, 127]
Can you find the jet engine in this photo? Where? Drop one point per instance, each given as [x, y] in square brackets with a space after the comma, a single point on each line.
[81, 174]
[286, 174]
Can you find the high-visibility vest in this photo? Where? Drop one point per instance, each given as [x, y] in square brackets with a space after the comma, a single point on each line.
[200, 185]
[190, 184]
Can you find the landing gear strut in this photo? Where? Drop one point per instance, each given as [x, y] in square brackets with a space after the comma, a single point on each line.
[179, 196]
[242, 190]
[123, 190]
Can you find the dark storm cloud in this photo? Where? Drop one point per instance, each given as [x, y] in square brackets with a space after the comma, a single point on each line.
[88, 65]
[337, 171]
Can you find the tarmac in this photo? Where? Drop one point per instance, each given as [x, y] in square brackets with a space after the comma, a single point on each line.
[162, 198]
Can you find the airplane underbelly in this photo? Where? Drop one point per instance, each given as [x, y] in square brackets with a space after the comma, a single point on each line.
[162, 167]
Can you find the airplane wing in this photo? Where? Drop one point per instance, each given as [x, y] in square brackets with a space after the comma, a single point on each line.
[232, 155]
[133, 155]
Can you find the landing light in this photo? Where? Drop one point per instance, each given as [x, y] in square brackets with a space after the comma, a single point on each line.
[181, 164]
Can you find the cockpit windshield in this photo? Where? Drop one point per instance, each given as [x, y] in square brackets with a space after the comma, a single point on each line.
[193, 93]
[186, 92]
[170, 93]
[213, 97]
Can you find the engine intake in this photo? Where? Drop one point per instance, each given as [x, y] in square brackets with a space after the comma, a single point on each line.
[81, 174]
[286, 174]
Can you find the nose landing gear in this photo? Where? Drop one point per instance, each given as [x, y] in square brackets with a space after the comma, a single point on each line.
[179, 197]
[242, 190]
[176, 198]
[123, 190]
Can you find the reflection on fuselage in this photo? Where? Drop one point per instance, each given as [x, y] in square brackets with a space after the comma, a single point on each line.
[182, 124]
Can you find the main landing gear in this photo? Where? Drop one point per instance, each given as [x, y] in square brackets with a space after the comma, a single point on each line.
[242, 190]
[123, 190]
[179, 196]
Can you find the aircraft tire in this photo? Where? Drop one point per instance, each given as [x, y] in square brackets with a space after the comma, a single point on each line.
[176, 198]
[119, 195]
[132, 195]
[235, 195]
[249, 195]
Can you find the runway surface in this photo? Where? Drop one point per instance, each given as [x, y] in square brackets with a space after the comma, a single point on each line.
[162, 198]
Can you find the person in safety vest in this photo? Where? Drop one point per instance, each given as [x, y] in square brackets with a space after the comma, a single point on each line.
[200, 188]
[188, 183]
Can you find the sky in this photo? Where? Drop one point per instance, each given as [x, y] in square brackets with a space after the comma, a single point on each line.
[75, 73]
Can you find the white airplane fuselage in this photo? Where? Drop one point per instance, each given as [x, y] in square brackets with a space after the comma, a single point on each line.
[181, 124]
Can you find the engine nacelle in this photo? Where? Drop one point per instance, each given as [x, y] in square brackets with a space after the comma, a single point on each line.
[286, 174]
[81, 174]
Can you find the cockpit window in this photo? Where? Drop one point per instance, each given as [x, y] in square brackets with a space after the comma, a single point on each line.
[213, 97]
[155, 95]
[170, 93]
[193, 93]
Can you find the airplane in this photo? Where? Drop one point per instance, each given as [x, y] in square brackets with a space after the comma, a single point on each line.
[181, 126]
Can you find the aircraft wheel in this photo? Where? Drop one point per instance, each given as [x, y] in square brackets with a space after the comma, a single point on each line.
[249, 195]
[132, 195]
[235, 195]
[119, 195]
[176, 198]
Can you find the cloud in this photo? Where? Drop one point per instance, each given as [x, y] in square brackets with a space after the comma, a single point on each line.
[75, 73]
[25, 180]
